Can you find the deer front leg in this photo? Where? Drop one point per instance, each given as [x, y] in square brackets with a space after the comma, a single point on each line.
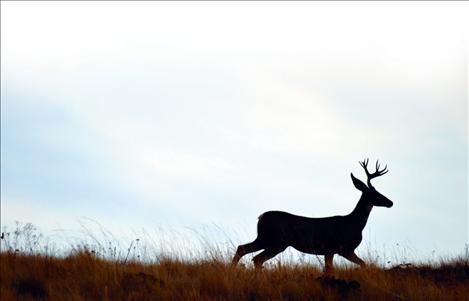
[354, 258]
[328, 261]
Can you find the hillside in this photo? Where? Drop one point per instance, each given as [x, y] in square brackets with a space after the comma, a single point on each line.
[84, 276]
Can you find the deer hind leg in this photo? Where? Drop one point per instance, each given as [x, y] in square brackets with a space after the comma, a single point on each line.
[328, 264]
[265, 255]
[245, 249]
[354, 258]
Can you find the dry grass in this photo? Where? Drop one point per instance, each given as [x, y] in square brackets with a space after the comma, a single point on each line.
[85, 275]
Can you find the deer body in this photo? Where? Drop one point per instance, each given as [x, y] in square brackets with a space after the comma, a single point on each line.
[277, 230]
[319, 236]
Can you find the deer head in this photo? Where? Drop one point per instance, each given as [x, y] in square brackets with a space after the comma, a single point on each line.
[369, 192]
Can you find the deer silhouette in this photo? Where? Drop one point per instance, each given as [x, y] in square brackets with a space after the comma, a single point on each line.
[277, 230]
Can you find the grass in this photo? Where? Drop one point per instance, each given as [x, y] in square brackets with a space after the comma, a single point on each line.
[83, 274]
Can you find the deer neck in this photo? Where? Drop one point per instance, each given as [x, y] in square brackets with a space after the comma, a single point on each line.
[360, 214]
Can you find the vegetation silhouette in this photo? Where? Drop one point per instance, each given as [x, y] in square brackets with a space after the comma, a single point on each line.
[277, 230]
[31, 268]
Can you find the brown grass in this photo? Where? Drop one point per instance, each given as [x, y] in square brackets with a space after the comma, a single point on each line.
[84, 276]
[31, 269]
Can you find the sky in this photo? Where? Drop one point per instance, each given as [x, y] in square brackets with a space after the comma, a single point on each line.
[204, 115]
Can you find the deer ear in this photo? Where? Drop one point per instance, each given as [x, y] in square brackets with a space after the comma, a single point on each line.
[358, 184]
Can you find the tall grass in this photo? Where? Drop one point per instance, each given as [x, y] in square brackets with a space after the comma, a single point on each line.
[101, 270]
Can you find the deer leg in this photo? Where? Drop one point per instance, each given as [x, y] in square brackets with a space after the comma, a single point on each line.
[266, 255]
[245, 249]
[354, 258]
[328, 266]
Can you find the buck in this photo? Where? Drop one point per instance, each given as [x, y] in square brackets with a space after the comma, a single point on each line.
[277, 230]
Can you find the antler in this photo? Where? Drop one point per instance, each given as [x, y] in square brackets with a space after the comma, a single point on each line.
[377, 173]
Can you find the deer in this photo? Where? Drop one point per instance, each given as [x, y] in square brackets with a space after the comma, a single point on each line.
[341, 234]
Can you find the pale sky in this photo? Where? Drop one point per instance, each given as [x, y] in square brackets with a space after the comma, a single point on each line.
[157, 114]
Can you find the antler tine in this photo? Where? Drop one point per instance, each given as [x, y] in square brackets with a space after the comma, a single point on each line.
[384, 170]
[377, 172]
[364, 164]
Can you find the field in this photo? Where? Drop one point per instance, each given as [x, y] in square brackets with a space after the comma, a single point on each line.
[85, 275]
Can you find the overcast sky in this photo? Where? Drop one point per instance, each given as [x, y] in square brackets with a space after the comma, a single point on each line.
[149, 114]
